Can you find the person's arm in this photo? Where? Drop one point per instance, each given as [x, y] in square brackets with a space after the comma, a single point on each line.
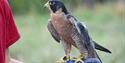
[14, 61]
[11, 60]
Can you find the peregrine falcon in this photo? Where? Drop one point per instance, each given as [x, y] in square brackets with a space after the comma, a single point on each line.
[66, 29]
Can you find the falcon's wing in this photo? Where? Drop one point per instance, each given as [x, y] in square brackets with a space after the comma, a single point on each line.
[84, 32]
[81, 29]
[53, 32]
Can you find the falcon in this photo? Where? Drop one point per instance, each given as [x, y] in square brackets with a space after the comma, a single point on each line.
[69, 31]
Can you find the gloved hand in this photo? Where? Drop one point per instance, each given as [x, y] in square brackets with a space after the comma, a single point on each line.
[70, 61]
[92, 60]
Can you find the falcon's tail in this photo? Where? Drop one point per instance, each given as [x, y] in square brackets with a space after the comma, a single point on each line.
[99, 47]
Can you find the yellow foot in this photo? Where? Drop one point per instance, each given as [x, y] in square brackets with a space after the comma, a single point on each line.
[73, 58]
[79, 59]
[80, 56]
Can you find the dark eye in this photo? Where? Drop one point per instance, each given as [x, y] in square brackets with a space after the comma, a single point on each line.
[50, 3]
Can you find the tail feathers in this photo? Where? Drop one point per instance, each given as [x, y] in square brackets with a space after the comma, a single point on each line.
[99, 47]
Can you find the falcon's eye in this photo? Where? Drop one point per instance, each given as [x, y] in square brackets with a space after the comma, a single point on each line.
[50, 3]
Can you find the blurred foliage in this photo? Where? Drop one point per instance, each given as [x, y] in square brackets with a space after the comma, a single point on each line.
[28, 6]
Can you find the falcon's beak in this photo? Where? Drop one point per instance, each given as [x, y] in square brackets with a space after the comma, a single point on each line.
[47, 4]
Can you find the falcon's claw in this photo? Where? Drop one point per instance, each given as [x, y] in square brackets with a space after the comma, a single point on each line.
[79, 59]
[63, 60]
[66, 58]
[80, 56]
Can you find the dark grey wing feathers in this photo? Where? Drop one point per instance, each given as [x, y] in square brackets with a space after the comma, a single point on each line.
[53, 32]
[83, 31]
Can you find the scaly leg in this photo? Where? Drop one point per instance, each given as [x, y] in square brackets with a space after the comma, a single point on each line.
[82, 55]
[67, 48]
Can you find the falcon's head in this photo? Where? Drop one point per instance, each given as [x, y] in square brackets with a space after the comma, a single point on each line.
[56, 5]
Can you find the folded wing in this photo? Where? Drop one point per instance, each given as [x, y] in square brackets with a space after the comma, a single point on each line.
[53, 32]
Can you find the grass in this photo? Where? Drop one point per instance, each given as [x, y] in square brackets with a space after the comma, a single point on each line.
[37, 46]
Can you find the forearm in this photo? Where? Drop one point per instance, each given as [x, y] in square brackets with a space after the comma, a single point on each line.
[11, 60]
[7, 56]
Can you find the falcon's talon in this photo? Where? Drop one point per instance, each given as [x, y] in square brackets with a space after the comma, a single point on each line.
[73, 58]
[79, 61]
[66, 58]
[80, 56]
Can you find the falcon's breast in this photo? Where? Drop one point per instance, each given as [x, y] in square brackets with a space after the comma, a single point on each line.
[63, 27]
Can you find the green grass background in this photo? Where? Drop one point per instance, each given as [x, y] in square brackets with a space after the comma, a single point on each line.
[37, 46]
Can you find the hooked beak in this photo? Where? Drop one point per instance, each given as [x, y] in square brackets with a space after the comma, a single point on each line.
[47, 4]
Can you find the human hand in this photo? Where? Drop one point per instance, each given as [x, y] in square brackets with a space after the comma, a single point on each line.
[15, 61]
[92, 60]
